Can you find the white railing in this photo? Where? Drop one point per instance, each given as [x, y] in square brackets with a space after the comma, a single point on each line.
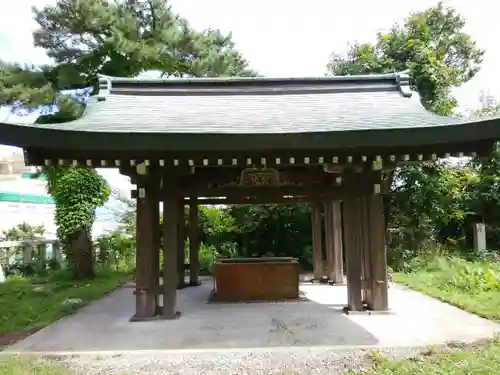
[31, 250]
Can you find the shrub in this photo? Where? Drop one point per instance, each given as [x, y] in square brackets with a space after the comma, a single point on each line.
[207, 257]
[19, 269]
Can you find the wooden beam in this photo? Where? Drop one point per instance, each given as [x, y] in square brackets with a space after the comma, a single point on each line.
[275, 194]
[262, 191]
[211, 159]
[261, 200]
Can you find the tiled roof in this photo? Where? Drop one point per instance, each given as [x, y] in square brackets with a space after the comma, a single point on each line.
[215, 114]
[255, 105]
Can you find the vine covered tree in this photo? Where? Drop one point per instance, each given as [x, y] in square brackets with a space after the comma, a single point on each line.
[77, 191]
[118, 38]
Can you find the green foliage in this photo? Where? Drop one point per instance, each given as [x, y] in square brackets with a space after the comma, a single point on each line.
[273, 230]
[25, 84]
[431, 45]
[115, 250]
[87, 38]
[207, 257]
[472, 284]
[23, 231]
[77, 192]
[434, 203]
[120, 38]
[36, 302]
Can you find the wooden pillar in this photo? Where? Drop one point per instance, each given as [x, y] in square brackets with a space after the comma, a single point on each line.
[145, 293]
[181, 246]
[194, 242]
[329, 244]
[333, 237]
[316, 240]
[365, 249]
[379, 296]
[156, 249]
[352, 244]
[171, 216]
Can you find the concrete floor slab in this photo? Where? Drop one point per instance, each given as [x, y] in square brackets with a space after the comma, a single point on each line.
[415, 320]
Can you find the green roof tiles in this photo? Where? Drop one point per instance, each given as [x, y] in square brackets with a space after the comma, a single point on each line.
[373, 111]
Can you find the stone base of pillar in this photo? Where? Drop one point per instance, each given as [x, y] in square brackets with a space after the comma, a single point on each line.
[346, 311]
[319, 280]
[136, 318]
[176, 316]
[337, 283]
[158, 316]
[186, 285]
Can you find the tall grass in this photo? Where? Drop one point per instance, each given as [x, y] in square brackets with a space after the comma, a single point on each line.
[471, 284]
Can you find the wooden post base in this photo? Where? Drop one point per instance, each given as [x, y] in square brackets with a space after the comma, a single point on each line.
[157, 316]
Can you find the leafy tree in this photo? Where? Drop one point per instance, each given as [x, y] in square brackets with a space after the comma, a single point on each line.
[119, 38]
[492, 109]
[125, 38]
[23, 231]
[126, 216]
[431, 45]
[77, 191]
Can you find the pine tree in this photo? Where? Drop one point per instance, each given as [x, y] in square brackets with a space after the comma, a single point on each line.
[125, 38]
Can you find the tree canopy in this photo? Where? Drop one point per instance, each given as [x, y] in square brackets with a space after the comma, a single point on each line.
[431, 45]
[125, 38]
[117, 38]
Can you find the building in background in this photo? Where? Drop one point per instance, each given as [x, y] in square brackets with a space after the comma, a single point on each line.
[486, 98]
[23, 198]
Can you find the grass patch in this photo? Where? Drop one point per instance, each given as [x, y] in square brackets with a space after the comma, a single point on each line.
[31, 303]
[474, 360]
[31, 366]
[471, 285]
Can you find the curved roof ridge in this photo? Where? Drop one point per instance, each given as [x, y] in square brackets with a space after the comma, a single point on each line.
[255, 85]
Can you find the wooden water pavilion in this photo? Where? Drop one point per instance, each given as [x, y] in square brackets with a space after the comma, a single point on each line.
[324, 141]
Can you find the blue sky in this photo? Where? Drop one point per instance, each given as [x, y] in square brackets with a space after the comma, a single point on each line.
[292, 38]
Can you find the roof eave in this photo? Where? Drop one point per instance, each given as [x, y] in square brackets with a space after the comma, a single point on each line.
[55, 139]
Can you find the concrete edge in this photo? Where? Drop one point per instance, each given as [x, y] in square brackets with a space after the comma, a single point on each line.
[245, 351]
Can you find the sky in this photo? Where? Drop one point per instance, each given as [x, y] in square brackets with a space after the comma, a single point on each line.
[292, 38]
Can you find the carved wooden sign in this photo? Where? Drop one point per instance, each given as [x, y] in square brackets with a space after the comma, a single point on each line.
[259, 177]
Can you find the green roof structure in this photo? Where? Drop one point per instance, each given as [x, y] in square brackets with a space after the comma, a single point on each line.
[325, 141]
[252, 114]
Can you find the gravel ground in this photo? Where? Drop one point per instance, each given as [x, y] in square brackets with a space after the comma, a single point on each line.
[292, 361]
